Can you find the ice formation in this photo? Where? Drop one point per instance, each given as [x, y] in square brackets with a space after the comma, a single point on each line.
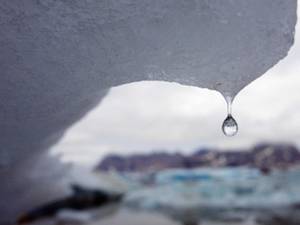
[59, 58]
[220, 193]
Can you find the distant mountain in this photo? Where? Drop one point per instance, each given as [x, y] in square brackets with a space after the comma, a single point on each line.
[264, 156]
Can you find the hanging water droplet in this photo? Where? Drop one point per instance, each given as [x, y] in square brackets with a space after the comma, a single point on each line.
[230, 126]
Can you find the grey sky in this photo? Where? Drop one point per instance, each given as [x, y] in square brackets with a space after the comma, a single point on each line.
[145, 116]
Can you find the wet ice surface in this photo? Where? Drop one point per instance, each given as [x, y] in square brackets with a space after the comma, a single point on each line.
[59, 58]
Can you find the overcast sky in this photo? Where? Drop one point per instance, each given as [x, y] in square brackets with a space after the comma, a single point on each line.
[146, 116]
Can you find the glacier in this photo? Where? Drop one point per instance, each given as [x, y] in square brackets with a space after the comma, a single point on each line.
[59, 58]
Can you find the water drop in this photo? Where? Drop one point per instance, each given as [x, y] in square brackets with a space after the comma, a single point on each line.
[230, 126]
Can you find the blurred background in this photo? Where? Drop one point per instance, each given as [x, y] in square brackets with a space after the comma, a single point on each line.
[154, 153]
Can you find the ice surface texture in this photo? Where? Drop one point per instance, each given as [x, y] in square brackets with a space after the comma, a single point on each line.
[58, 58]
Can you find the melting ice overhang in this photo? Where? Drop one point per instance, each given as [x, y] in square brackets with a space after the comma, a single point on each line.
[58, 58]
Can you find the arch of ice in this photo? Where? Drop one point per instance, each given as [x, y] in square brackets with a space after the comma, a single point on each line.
[58, 58]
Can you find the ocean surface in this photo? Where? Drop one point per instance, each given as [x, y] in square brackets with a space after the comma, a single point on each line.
[207, 196]
[128, 217]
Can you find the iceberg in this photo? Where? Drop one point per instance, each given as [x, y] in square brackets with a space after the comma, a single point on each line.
[220, 194]
[59, 59]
